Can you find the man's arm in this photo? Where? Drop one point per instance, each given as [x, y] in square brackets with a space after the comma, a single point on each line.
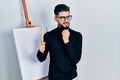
[42, 51]
[42, 55]
[75, 50]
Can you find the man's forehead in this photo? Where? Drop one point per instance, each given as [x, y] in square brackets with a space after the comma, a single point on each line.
[63, 13]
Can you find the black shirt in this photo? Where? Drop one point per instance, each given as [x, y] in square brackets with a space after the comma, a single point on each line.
[63, 57]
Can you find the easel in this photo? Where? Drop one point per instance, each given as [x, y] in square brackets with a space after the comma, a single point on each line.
[28, 24]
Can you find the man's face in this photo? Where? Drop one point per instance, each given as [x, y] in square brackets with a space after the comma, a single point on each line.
[63, 19]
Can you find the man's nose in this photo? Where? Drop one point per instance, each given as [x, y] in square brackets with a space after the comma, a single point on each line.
[65, 19]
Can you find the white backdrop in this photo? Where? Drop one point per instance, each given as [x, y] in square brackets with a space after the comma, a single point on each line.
[97, 20]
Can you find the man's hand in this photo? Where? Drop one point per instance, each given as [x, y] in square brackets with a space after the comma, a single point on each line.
[65, 35]
[41, 47]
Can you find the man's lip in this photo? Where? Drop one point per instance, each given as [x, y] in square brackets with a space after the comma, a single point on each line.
[66, 23]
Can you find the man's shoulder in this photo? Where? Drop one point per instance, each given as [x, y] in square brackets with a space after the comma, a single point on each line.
[50, 32]
[75, 33]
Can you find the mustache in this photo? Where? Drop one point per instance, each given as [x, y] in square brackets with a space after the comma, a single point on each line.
[66, 23]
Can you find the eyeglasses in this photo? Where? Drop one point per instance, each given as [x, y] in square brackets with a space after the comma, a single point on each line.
[65, 17]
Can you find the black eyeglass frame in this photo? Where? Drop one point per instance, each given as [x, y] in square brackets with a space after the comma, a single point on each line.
[65, 17]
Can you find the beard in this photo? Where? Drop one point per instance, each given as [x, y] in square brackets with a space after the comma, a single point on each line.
[64, 27]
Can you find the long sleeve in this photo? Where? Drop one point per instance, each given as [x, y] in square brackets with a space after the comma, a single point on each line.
[42, 56]
[75, 50]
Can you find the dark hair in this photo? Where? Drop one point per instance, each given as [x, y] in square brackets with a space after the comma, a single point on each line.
[60, 8]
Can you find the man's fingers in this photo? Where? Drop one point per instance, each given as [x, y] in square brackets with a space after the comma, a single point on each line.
[42, 44]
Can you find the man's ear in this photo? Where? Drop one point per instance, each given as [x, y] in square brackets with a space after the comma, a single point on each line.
[55, 18]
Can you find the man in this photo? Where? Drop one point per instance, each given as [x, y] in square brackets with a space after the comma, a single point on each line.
[64, 46]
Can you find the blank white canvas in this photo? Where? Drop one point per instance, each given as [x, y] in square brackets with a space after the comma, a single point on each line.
[26, 41]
